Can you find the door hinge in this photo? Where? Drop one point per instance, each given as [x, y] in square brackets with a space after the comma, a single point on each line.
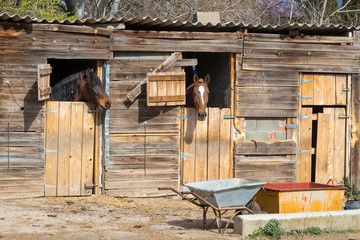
[291, 125]
[346, 89]
[229, 117]
[184, 155]
[304, 80]
[300, 151]
[50, 111]
[183, 116]
[90, 185]
[304, 98]
[302, 117]
[50, 186]
[50, 151]
[93, 111]
[342, 116]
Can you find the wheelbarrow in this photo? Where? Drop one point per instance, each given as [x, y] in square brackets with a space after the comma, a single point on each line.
[222, 196]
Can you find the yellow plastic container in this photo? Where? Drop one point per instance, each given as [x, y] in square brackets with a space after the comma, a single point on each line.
[300, 197]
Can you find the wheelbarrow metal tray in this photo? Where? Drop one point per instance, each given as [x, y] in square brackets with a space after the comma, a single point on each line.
[230, 192]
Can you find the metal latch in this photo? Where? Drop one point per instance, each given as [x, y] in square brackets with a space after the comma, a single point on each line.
[346, 89]
[291, 125]
[342, 116]
[302, 117]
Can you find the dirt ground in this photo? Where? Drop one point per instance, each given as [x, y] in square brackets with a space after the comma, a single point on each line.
[103, 217]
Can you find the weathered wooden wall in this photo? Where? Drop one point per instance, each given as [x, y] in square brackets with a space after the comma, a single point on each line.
[22, 48]
[144, 141]
[135, 169]
[267, 80]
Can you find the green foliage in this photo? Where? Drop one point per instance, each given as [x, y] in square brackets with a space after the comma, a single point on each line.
[312, 231]
[272, 229]
[351, 191]
[40, 9]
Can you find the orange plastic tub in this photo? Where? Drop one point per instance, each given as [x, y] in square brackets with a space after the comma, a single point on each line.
[300, 197]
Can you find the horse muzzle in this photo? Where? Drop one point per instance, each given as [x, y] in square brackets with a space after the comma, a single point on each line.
[202, 116]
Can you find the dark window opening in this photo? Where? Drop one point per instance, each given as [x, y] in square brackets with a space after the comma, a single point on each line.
[62, 68]
[217, 66]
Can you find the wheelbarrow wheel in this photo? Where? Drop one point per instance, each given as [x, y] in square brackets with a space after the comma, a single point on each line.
[253, 206]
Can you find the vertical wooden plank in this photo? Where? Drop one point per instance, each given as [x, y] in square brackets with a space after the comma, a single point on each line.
[322, 148]
[87, 160]
[305, 140]
[330, 141]
[188, 174]
[340, 95]
[307, 88]
[201, 149]
[329, 89]
[64, 149]
[213, 143]
[225, 144]
[76, 125]
[355, 127]
[51, 144]
[339, 146]
[319, 86]
[171, 90]
[151, 89]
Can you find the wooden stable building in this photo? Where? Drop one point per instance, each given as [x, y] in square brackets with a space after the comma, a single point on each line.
[283, 105]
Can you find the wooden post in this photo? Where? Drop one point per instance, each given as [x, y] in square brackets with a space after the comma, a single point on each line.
[355, 119]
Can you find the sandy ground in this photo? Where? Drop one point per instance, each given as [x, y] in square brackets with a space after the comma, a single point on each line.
[103, 217]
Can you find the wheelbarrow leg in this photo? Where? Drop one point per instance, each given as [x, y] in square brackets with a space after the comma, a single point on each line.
[205, 208]
[217, 214]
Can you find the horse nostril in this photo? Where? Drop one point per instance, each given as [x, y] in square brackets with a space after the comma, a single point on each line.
[108, 104]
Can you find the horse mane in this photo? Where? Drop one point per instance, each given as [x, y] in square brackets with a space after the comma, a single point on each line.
[67, 88]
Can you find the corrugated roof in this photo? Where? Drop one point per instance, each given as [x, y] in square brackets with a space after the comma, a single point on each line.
[147, 23]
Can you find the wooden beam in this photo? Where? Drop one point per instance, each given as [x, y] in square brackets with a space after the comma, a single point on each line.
[161, 68]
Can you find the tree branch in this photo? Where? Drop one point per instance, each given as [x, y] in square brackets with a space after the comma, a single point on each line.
[327, 19]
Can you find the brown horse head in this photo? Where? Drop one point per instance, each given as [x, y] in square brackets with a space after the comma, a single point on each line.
[92, 90]
[201, 95]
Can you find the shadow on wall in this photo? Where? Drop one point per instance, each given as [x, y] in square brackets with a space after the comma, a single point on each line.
[32, 107]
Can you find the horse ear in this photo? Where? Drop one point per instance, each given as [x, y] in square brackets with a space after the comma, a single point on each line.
[87, 72]
[207, 78]
[195, 78]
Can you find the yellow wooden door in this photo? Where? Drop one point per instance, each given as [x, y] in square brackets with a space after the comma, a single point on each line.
[330, 146]
[206, 146]
[69, 149]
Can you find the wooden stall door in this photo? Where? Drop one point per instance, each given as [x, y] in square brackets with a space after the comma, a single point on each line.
[69, 149]
[322, 127]
[206, 146]
[330, 146]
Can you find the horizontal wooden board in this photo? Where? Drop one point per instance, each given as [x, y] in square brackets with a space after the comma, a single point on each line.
[152, 41]
[308, 39]
[283, 147]
[267, 169]
[301, 46]
[281, 53]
